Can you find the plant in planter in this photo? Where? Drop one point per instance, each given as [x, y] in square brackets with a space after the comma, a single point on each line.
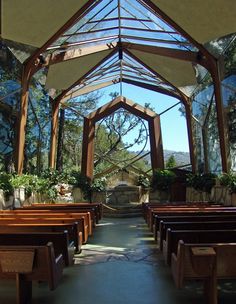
[143, 181]
[78, 180]
[162, 181]
[98, 189]
[7, 189]
[202, 183]
[228, 180]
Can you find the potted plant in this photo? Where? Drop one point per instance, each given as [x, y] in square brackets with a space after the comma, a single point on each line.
[202, 184]
[81, 186]
[228, 183]
[144, 182]
[221, 190]
[98, 189]
[7, 190]
[161, 182]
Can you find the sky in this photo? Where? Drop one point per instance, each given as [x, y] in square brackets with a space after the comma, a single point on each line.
[173, 125]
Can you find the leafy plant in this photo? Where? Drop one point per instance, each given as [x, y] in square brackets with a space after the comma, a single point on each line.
[202, 182]
[143, 181]
[99, 184]
[162, 179]
[5, 183]
[228, 180]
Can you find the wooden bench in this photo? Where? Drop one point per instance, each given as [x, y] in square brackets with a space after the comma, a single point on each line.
[51, 217]
[60, 241]
[88, 226]
[72, 229]
[191, 211]
[194, 236]
[202, 225]
[192, 218]
[207, 262]
[95, 209]
[30, 263]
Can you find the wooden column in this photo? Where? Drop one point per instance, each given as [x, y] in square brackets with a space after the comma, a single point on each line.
[54, 128]
[23, 118]
[215, 73]
[188, 112]
[87, 164]
[157, 155]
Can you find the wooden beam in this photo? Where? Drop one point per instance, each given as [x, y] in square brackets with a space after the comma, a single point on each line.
[191, 142]
[87, 164]
[162, 51]
[151, 87]
[76, 53]
[26, 76]
[54, 128]
[214, 69]
[157, 155]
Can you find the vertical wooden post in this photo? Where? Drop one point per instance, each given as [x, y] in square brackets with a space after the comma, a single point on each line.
[23, 289]
[87, 164]
[190, 133]
[157, 155]
[54, 128]
[26, 75]
[215, 73]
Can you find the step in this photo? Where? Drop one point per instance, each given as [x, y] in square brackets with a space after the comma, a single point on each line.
[123, 211]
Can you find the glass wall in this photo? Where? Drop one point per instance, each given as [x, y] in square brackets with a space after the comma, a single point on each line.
[38, 119]
[205, 127]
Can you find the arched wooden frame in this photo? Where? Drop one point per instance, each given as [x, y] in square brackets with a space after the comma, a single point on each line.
[157, 157]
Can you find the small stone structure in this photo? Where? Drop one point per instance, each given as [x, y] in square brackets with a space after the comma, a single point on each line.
[123, 194]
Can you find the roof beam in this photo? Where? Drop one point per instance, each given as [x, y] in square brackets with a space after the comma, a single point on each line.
[151, 87]
[76, 53]
[162, 51]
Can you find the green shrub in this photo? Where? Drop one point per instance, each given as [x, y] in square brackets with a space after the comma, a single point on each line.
[143, 181]
[162, 179]
[201, 182]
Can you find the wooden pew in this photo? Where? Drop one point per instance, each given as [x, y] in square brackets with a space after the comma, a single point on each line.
[78, 224]
[43, 227]
[207, 261]
[88, 226]
[190, 211]
[30, 263]
[211, 225]
[63, 210]
[95, 209]
[60, 241]
[82, 220]
[194, 236]
[193, 218]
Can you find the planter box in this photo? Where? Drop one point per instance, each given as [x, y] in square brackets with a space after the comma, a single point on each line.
[221, 195]
[77, 195]
[161, 196]
[233, 199]
[99, 197]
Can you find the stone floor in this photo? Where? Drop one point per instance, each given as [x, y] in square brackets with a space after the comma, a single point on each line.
[120, 265]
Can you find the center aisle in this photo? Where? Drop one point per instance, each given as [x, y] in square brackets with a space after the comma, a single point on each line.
[121, 265]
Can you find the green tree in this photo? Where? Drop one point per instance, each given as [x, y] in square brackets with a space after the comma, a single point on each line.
[171, 162]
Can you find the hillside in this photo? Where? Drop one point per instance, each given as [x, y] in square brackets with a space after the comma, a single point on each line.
[181, 158]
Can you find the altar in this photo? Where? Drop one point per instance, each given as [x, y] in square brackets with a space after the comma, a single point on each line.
[124, 194]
